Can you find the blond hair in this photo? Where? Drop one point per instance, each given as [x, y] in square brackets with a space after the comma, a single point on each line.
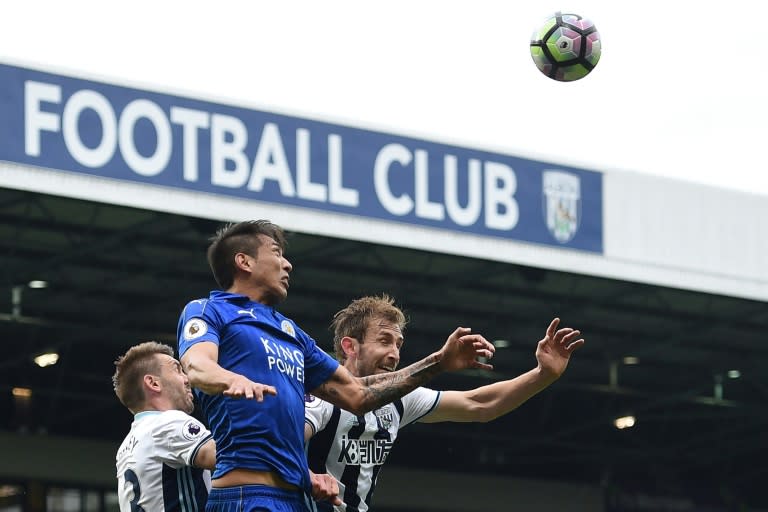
[354, 319]
[130, 369]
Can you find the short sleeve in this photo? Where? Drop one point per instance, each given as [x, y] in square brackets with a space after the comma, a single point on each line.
[318, 366]
[197, 323]
[317, 413]
[418, 403]
[178, 437]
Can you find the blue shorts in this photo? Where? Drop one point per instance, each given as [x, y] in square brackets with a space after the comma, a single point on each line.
[255, 498]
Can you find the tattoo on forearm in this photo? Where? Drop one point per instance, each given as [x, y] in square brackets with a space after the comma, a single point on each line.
[385, 388]
[329, 392]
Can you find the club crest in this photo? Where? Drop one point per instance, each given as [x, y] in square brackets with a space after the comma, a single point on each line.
[562, 203]
[384, 417]
[287, 328]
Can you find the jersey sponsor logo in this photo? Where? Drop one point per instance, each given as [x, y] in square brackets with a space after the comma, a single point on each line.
[364, 451]
[286, 360]
[194, 328]
[192, 430]
[287, 328]
[247, 312]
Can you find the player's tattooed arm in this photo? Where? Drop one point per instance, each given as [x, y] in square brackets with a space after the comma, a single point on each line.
[360, 395]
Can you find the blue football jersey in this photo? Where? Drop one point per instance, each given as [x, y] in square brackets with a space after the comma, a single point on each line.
[258, 342]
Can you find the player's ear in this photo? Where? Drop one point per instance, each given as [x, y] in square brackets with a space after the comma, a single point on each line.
[242, 261]
[152, 382]
[349, 346]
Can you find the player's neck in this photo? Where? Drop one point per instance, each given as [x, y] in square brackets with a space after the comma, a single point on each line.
[253, 292]
[156, 403]
[349, 365]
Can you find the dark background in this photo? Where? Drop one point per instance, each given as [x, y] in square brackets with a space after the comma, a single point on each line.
[119, 276]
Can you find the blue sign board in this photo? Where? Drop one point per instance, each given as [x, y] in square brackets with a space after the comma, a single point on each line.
[82, 126]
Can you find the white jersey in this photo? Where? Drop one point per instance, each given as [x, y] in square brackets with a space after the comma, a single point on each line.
[353, 448]
[154, 464]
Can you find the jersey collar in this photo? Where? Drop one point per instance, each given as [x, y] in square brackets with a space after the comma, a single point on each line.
[144, 414]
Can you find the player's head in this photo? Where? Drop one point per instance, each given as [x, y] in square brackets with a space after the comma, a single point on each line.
[251, 250]
[368, 334]
[148, 377]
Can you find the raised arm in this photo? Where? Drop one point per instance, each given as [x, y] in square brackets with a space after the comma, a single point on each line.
[362, 394]
[201, 365]
[487, 403]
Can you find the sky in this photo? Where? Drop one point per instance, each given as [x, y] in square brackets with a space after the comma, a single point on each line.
[679, 91]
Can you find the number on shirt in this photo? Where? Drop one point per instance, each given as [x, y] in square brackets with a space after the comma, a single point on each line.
[131, 477]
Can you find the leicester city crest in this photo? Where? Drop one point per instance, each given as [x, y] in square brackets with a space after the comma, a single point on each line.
[562, 203]
[287, 328]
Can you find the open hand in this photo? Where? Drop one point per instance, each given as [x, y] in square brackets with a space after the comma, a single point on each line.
[462, 350]
[554, 351]
[242, 387]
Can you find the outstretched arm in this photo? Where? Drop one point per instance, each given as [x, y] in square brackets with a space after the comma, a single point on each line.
[362, 394]
[201, 365]
[489, 402]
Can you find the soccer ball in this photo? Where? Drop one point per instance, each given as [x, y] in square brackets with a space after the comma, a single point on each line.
[566, 47]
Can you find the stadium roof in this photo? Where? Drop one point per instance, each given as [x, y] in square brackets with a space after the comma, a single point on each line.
[118, 275]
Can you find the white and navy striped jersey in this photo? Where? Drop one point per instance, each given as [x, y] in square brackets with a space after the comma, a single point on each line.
[353, 448]
[154, 464]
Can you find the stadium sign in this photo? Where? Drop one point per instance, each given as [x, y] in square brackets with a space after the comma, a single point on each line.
[99, 129]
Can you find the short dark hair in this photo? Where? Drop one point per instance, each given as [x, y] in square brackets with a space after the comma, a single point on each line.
[130, 369]
[240, 237]
[354, 319]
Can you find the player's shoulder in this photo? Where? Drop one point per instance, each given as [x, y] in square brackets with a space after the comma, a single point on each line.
[198, 318]
[314, 402]
[156, 419]
[178, 423]
[196, 306]
[172, 415]
[221, 306]
[418, 402]
[420, 393]
[287, 325]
